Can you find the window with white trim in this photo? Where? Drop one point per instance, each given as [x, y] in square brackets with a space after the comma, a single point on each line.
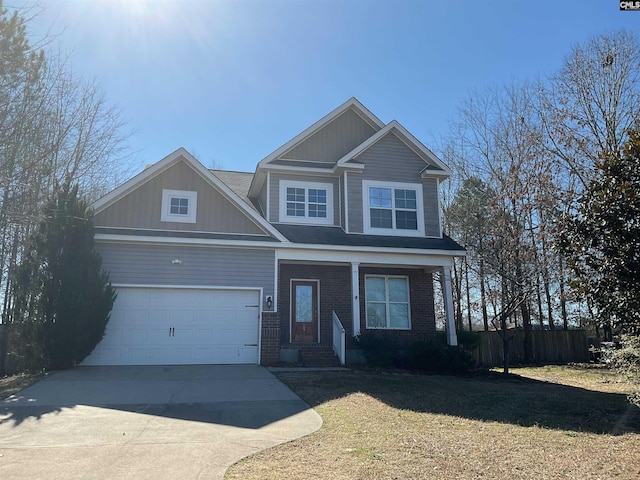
[306, 202]
[387, 302]
[392, 208]
[179, 206]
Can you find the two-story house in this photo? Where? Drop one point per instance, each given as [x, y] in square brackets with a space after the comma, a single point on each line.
[337, 232]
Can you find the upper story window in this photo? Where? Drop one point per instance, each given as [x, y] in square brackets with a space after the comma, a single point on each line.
[306, 202]
[179, 206]
[392, 208]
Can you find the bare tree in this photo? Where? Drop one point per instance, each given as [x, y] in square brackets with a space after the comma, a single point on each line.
[590, 104]
[55, 130]
[497, 209]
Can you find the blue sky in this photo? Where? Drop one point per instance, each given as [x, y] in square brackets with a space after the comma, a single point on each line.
[232, 80]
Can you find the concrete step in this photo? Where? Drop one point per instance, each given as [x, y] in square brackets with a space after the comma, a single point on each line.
[313, 355]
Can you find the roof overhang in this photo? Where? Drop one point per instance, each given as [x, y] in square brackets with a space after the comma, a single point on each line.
[297, 251]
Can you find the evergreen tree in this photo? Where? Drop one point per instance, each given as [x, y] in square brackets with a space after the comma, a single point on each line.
[603, 239]
[64, 298]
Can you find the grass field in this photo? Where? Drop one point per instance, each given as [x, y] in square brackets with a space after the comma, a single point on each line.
[542, 423]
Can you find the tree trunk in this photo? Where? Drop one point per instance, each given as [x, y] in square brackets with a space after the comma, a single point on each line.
[483, 297]
[457, 295]
[545, 282]
[526, 323]
[539, 302]
[563, 300]
[468, 294]
[505, 343]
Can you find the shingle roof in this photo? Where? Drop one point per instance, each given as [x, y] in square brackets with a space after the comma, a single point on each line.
[337, 236]
[239, 182]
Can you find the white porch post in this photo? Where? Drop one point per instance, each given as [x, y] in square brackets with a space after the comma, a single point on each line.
[447, 293]
[355, 297]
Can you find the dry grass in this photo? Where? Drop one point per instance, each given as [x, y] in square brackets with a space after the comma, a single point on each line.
[544, 423]
[14, 383]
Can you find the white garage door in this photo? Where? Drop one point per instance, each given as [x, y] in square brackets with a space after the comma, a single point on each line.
[162, 326]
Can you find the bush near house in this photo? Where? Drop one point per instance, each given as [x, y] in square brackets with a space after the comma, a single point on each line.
[426, 356]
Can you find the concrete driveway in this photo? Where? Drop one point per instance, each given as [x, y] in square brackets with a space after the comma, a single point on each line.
[174, 422]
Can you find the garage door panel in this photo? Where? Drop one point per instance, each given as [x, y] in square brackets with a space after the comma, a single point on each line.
[245, 338]
[158, 326]
[184, 336]
[148, 337]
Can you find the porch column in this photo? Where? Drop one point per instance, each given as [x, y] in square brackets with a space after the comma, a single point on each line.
[447, 293]
[355, 297]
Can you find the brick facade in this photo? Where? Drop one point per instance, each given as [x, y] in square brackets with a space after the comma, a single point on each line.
[334, 292]
[270, 339]
[423, 319]
[335, 295]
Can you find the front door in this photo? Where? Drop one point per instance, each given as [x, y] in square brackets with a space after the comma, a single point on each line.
[304, 311]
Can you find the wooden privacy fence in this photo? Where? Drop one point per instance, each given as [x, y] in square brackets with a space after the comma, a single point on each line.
[556, 346]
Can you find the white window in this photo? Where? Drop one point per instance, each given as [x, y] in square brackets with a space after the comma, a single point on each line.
[306, 202]
[392, 208]
[179, 206]
[387, 302]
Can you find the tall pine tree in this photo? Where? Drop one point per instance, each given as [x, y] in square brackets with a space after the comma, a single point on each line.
[64, 297]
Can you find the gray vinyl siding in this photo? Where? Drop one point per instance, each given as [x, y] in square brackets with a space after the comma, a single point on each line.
[333, 141]
[354, 200]
[431, 207]
[390, 159]
[141, 208]
[201, 266]
[274, 193]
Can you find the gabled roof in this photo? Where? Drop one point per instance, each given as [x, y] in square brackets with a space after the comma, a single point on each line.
[182, 154]
[352, 103]
[434, 166]
[273, 158]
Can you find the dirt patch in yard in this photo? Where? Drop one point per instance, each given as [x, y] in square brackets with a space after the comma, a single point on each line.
[552, 424]
[14, 383]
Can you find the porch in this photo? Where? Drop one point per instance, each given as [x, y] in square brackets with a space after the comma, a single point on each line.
[317, 312]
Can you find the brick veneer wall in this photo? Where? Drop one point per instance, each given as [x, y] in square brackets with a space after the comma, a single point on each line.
[423, 319]
[334, 291]
[270, 339]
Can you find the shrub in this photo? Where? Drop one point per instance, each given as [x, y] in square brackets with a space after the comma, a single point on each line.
[424, 356]
[626, 360]
[379, 351]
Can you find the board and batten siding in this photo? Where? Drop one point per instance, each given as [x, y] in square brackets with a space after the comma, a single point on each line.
[262, 199]
[274, 193]
[200, 266]
[141, 208]
[390, 159]
[333, 141]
